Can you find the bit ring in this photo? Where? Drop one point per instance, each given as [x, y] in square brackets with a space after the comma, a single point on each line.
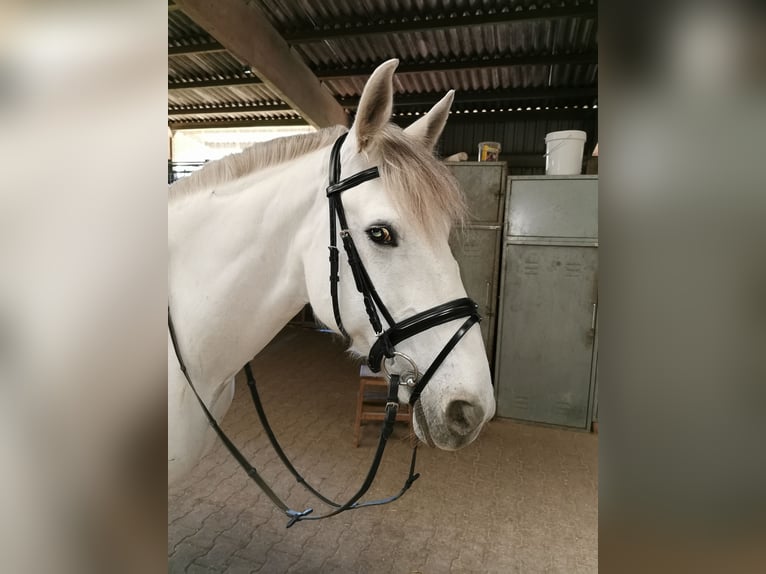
[415, 371]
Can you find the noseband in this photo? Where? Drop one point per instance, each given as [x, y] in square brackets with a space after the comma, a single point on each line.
[383, 349]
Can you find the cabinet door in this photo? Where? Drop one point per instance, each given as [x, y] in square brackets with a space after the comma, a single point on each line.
[547, 334]
[484, 187]
[477, 253]
[565, 207]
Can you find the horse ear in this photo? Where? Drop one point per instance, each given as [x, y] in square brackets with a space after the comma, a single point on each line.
[376, 103]
[427, 129]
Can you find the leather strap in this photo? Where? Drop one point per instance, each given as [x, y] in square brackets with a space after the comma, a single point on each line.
[334, 277]
[416, 324]
[235, 452]
[353, 180]
[273, 439]
[372, 301]
[421, 384]
[392, 406]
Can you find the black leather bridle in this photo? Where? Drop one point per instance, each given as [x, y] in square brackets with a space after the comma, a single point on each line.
[385, 345]
[382, 350]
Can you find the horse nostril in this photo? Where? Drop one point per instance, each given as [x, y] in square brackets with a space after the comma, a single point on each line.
[463, 417]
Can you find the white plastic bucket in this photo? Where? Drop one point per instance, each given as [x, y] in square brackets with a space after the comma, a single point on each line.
[563, 152]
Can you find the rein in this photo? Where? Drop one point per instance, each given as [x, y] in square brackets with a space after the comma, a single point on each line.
[384, 349]
[294, 516]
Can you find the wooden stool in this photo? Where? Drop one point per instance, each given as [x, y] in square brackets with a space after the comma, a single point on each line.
[371, 402]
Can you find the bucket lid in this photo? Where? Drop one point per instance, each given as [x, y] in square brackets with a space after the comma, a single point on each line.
[566, 135]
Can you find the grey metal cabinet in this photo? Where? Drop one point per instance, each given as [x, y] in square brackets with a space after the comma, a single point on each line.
[546, 336]
[477, 248]
[483, 183]
[478, 255]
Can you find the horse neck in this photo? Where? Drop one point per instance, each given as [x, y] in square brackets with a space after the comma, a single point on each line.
[235, 271]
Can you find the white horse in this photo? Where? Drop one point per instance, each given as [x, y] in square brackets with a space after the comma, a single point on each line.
[247, 249]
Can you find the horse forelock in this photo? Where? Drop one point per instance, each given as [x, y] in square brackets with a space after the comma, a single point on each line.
[422, 187]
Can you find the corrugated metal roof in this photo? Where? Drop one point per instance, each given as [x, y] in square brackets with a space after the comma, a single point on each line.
[224, 95]
[561, 75]
[205, 65]
[288, 14]
[554, 48]
[181, 27]
[575, 35]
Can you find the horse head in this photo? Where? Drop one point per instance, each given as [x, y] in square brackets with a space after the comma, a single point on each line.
[400, 224]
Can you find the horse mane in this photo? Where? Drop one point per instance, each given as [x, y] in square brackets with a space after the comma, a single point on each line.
[256, 157]
[422, 188]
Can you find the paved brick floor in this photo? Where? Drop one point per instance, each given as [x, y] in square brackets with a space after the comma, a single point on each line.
[522, 498]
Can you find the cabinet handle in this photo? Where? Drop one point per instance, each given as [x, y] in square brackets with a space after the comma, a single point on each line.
[593, 318]
[486, 299]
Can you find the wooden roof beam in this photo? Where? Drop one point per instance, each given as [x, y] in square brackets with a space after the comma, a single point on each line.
[245, 31]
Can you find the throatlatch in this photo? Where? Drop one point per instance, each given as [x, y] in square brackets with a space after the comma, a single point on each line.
[383, 349]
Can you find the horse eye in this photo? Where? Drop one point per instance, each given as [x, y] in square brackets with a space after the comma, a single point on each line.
[381, 234]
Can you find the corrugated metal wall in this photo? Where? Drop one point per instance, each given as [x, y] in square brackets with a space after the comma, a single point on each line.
[520, 140]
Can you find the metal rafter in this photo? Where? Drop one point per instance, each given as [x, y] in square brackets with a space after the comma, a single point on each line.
[560, 114]
[390, 25]
[465, 64]
[505, 95]
[218, 109]
[402, 119]
[239, 123]
[201, 47]
[409, 67]
[214, 83]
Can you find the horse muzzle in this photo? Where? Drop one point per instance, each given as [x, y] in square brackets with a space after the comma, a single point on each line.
[452, 427]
